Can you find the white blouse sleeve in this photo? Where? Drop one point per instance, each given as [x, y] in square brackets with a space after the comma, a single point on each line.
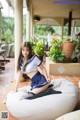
[37, 61]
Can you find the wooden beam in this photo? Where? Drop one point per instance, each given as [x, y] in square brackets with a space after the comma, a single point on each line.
[69, 25]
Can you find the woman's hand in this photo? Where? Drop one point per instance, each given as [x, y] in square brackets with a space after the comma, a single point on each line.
[44, 72]
[48, 80]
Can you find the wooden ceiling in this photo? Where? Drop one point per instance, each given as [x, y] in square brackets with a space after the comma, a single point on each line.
[54, 9]
[47, 8]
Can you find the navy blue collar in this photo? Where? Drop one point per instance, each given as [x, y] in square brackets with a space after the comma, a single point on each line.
[31, 59]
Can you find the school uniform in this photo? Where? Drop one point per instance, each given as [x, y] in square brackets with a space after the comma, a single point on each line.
[38, 80]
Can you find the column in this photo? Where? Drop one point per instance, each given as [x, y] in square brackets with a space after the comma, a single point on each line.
[18, 5]
[0, 26]
[31, 21]
[28, 26]
[70, 21]
[62, 28]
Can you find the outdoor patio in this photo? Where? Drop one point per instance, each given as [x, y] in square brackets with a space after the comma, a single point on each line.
[7, 82]
[60, 15]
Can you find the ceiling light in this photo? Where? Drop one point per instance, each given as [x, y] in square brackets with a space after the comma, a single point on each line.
[36, 18]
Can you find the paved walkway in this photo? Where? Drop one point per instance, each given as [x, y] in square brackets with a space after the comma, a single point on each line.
[6, 80]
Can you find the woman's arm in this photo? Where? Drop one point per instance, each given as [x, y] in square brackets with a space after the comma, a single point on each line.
[18, 76]
[44, 72]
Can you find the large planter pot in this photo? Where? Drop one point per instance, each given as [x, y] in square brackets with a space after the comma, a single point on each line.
[68, 48]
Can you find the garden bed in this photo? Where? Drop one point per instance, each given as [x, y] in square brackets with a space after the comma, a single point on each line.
[54, 68]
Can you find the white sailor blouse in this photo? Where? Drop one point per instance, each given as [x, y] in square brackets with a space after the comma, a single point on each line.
[32, 64]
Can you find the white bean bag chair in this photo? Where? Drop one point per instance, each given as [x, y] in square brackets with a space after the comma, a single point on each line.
[48, 107]
[70, 116]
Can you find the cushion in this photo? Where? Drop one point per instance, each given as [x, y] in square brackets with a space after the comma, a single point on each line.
[47, 107]
[70, 116]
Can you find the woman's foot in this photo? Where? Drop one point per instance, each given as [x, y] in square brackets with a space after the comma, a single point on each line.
[51, 85]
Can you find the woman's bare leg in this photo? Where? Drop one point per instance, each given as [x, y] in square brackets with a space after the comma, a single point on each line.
[41, 89]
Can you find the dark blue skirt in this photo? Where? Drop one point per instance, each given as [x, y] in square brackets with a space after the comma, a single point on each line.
[38, 80]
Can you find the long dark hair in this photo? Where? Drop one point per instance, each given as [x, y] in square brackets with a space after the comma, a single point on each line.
[27, 45]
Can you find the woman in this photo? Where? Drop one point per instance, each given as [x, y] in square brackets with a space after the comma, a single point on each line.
[28, 64]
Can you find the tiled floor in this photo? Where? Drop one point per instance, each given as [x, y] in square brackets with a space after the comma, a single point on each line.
[6, 79]
[6, 76]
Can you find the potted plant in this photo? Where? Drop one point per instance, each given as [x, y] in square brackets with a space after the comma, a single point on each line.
[68, 47]
[39, 49]
[56, 54]
[76, 53]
